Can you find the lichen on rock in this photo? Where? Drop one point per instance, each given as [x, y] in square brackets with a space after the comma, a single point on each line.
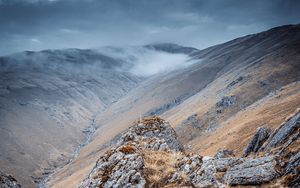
[149, 154]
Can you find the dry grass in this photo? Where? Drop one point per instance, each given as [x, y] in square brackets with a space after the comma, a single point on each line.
[236, 132]
[159, 167]
[127, 149]
[151, 120]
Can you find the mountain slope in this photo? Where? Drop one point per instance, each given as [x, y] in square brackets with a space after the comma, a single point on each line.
[49, 101]
[226, 80]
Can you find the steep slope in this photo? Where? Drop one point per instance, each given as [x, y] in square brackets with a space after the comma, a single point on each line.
[226, 81]
[149, 154]
[49, 101]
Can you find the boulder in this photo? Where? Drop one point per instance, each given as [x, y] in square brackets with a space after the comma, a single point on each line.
[224, 154]
[282, 133]
[259, 138]
[252, 172]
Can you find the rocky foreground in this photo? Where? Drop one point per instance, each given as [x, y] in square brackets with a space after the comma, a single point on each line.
[7, 181]
[150, 155]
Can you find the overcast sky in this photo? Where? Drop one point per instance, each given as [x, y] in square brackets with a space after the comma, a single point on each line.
[43, 24]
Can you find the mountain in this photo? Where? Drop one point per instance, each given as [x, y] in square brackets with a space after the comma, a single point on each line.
[215, 99]
[49, 101]
[171, 48]
[218, 102]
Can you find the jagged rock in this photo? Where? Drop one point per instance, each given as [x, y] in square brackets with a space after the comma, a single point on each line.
[293, 164]
[206, 176]
[123, 165]
[224, 154]
[155, 129]
[203, 172]
[119, 167]
[226, 101]
[150, 151]
[291, 139]
[284, 132]
[252, 172]
[261, 135]
[7, 181]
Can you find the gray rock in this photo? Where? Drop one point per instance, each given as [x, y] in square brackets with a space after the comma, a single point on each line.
[123, 165]
[8, 181]
[226, 101]
[158, 129]
[284, 132]
[193, 121]
[252, 172]
[224, 154]
[293, 163]
[261, 135]
[291, 139]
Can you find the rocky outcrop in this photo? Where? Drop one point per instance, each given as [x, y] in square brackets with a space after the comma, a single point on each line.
[225, 102]
[224, 154]
[292, 126]
[123, 165]
[149, 154]
[192, 121]
[284, 145]
[252, 172]
[7, 181]
[261, 135]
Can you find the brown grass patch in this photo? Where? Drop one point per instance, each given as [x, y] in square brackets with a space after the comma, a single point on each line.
[152, 120]
[128, 149]
[159, 167]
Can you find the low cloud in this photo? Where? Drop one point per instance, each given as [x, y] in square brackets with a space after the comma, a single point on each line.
[142, 61]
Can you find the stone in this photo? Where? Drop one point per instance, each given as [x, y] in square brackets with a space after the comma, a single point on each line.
[259, 138]
[224, 154]
[122, 166]
[226, 101]
[293, 164]
[252, 172]
[282, 133]
[8, 181]
[127, 164]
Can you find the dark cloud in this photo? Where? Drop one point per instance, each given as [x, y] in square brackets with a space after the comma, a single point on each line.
[41, 24]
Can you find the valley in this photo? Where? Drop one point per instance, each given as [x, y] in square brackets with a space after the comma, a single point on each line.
[63, 109]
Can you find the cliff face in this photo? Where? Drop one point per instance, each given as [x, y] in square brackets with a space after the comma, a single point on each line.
[149, 154]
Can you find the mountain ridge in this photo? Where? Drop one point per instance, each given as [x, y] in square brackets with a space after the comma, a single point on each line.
[248, 69]
[226, 90]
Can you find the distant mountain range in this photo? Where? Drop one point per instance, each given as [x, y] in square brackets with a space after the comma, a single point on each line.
[54, 100]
